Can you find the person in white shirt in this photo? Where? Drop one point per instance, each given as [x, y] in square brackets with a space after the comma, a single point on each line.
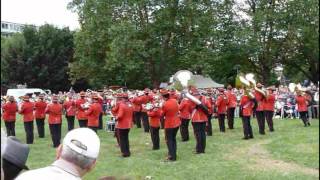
[76, 156]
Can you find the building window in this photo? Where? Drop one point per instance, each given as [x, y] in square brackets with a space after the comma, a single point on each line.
[4, 26]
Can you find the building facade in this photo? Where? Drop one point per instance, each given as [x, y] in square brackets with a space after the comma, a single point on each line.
[8, 28]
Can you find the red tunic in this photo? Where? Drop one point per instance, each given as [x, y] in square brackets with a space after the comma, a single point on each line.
[269, 102]
[70, 107]
[55, 113]
[124, 116]
[247, 105]
[40, 109]
[197, 114]
[221, 104]
[232, 99]
[9, 111]
[154, 117]
[93, 114]
[260, 100]
[302, 103]
[186, 107]
[137, 102]
[81, 115]
[27, 111]
[210, 109]
[170, 110]
[145, 99]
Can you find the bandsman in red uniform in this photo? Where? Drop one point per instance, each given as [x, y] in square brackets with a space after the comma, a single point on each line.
[9, 116]
[232, 104]
[154, 121]
[145, 99]
[173, 94]
[199, 118]
[221, 104]
[269, 107]
[93, 113]
[302, 108]
[27, 112]
[137, 107]
[100, 101]
[259, 111]
[210, 113]
[246, 108]
[170, 110]
[70, 109]
[55, 118]
[40, 114]
[81, 114]
[185, 115]
[115, 111]
[124, 121]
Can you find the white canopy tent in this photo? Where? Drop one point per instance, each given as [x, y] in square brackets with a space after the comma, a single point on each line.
[205, 82]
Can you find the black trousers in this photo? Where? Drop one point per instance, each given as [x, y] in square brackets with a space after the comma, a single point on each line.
[137, 118]
[221, 118]
[315, 112]
[304, 117]
[200, 135]
[171, 142]
[154, 132]
[70, 120]
[28, 127]
[10, 127]
[100, 121]
[145, 121]
[247, 129]
[40, 127]
[269, 116]
[55, 131]
[116, 135]
[209, 126]
[184, 129]
[261, 121]
[162, 122]
[124, 142]
[230, 117]
[95, 129]
[83, 123]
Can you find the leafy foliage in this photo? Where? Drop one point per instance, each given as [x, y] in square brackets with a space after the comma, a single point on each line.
[38, 57]
[140, 43]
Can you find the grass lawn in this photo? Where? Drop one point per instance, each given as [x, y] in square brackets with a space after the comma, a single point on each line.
[291, 152]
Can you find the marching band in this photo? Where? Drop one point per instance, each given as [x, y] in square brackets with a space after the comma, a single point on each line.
[175, 107]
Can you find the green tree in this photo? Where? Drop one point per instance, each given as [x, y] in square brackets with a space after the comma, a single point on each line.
[39, 57]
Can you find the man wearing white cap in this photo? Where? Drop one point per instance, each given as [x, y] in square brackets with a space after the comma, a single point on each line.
[76, 156]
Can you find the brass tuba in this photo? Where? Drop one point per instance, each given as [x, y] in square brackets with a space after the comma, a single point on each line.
[247, 84]
[253, 84]
[181, 81]
[294, 88]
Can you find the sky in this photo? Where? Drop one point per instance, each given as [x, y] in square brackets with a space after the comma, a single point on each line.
[39, 12]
